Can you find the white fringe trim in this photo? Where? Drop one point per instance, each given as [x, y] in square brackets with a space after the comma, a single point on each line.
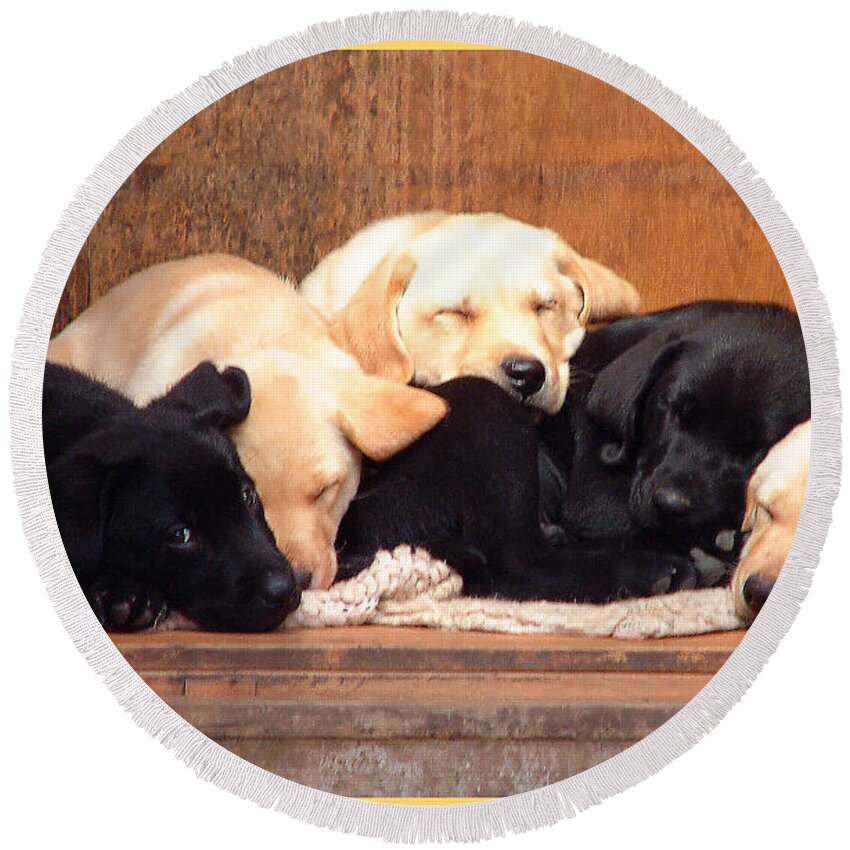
[423, 823]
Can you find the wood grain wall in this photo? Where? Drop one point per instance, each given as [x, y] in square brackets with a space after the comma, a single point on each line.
[288, 167]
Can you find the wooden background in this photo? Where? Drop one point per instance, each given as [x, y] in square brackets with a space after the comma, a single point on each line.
[288, 167]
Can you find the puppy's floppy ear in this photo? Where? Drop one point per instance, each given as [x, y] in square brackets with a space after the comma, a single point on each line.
[82, 483]
[621, 389]
[367, 326]
[381, 417]
[213, 399]
[606, 295]
[79, 489]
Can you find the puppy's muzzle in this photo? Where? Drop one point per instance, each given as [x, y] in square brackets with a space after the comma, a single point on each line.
[526, 375]
[756, 590]
[279, 589]
[277, 586]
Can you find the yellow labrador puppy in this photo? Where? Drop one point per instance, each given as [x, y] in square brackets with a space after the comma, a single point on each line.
[313, 409]
[429, 296]
[775, 497]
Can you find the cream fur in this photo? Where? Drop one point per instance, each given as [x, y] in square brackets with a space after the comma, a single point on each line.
[775, 497]
[480, 287]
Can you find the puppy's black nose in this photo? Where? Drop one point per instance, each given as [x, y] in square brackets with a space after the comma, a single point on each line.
[525, 374]
[671, 502]
[278, 587]
[756, 590]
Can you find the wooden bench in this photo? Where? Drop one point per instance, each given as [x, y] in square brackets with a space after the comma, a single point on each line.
[396, 712]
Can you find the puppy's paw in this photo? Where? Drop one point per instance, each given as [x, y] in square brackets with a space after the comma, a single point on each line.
[712, 571]
[655, 573]
[465, 559]
[125, 603]
[678, 573]
[554, 534]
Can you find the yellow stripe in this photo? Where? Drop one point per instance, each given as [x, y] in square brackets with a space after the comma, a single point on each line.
[422, 45]
[426, 801]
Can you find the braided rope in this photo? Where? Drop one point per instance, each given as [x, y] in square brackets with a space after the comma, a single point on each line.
[409, 588]
[401, 576]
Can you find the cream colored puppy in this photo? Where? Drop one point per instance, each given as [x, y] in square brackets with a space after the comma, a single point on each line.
[313, 410]
[427, 297]
[775, 497]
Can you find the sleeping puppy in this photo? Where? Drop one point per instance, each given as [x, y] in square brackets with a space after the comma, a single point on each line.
[154, 508]
[314, 411]
[467, 492]
[427, 297]
[774, 502]
[668, 417]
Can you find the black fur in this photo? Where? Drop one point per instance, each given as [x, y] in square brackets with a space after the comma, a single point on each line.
[126, 483]
[467, 492]
[667, 416]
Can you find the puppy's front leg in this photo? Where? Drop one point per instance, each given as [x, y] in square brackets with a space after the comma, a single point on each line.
[467, 560]
[126, 603]
[600, 573]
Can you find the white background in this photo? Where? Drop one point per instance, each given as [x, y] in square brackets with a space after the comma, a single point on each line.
[76, 77]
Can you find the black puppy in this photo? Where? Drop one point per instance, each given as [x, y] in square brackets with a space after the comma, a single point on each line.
[467, 492]
[154, 507]
[667, 417]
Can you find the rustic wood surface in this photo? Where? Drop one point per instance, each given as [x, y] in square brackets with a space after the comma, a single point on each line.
[289, 166]
[578, 706]
[393, 648]
[411, 768]
[378, 711]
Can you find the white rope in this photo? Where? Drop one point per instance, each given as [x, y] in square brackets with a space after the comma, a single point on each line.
[403, 576]
[409, 588]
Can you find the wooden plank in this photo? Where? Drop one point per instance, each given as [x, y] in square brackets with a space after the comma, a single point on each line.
[385, 648]
[412, 767]
[251, 719]
[285, 720]
[580, 706]
[426, 687]
[167, 685]
[218, 687]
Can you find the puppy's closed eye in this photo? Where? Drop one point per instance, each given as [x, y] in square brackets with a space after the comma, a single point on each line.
[327, 492]
[460, 312]
[543, 306]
